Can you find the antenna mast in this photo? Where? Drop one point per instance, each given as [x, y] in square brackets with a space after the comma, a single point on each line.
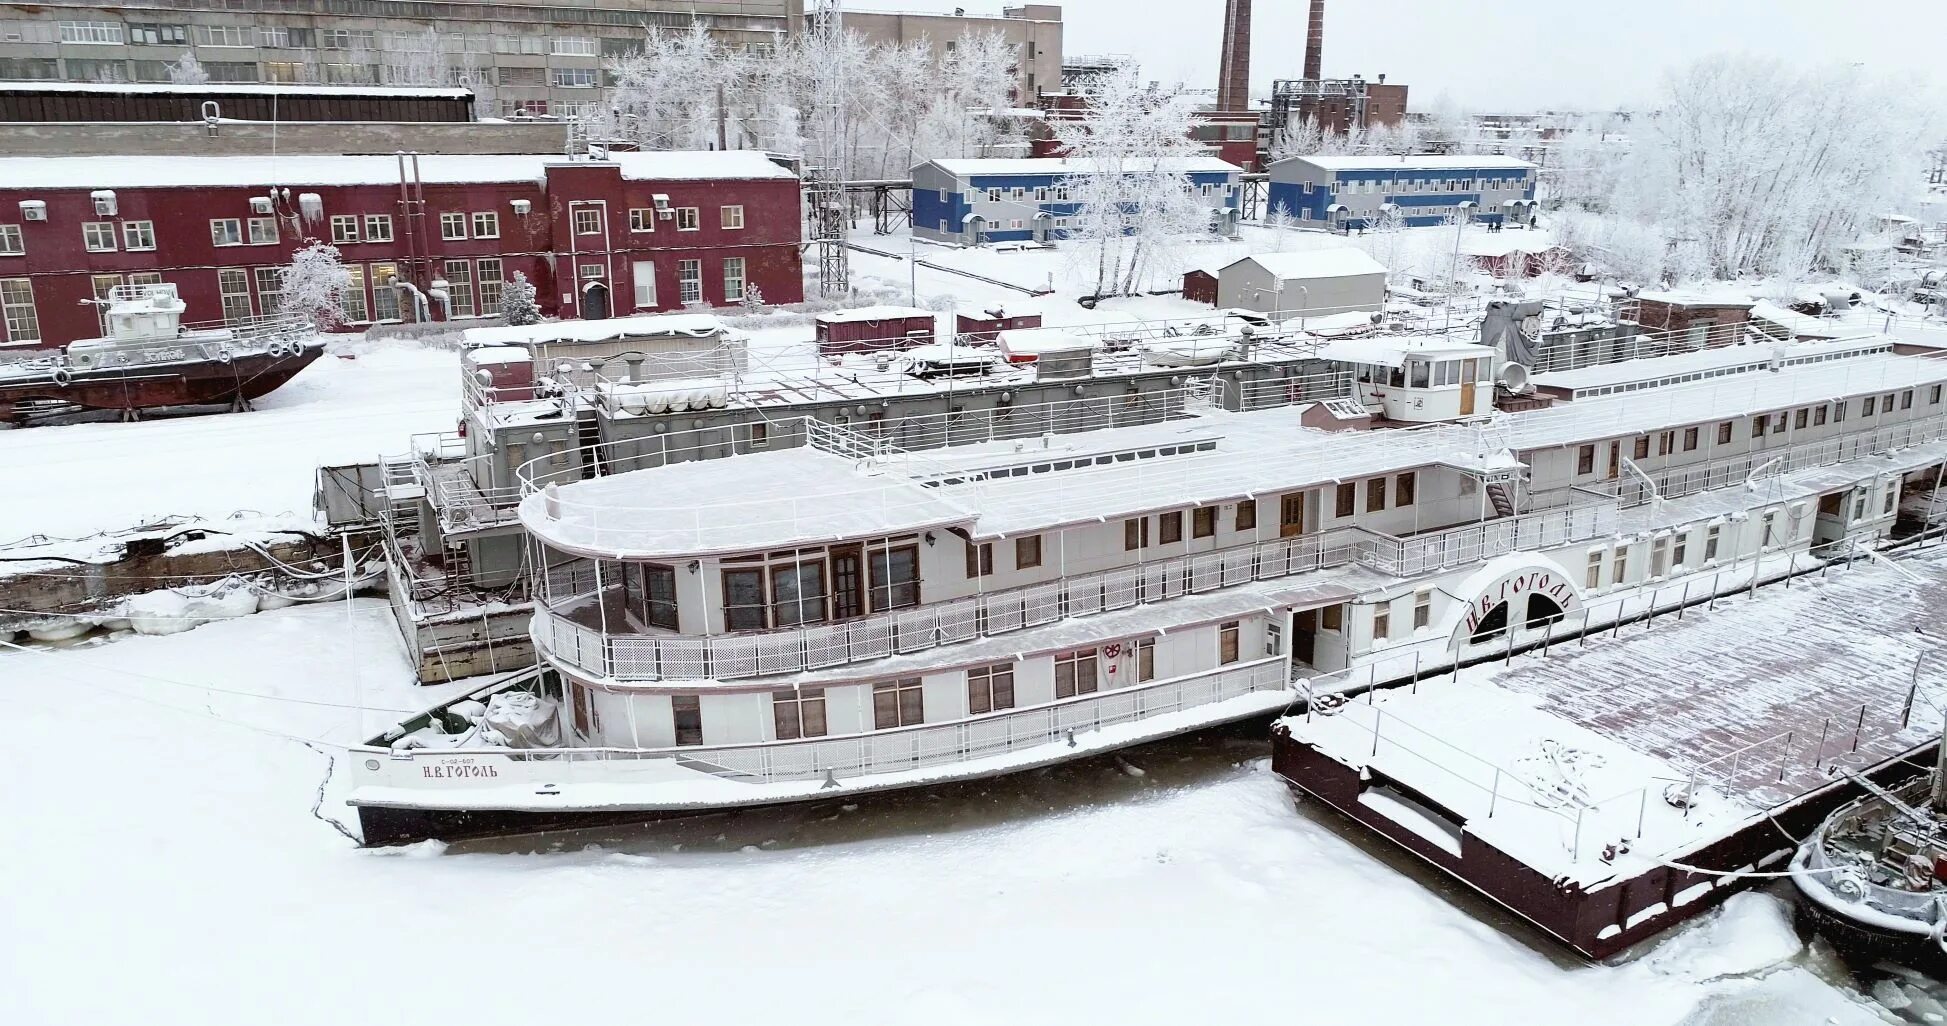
[824, 175]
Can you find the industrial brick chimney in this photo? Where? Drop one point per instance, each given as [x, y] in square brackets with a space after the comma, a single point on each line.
[1315, 43]
[1234, 73]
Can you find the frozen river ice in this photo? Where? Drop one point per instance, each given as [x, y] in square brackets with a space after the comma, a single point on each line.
[165, 866]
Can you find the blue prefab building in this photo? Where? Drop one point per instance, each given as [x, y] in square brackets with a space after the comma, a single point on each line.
[1358, 191]
[991, 199]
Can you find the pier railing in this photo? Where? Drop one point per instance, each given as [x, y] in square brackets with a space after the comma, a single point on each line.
[1053, 726]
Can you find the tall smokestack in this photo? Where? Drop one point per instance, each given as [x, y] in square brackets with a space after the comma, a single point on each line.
[1234, 74]
[1315, 43]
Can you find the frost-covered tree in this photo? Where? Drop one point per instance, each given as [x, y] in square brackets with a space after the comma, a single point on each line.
[870, 110]
[314, 284]
[1756, 166]
[753, 298]
[1134, 199]
[517, 301]
[187, 70]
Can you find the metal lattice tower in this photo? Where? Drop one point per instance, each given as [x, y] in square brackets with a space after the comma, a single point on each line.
[824, 173]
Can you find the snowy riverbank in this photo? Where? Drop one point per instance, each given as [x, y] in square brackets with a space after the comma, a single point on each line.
[180, 851]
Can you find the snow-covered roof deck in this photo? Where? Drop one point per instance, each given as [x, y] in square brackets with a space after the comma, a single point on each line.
[1123, 471]
[740, 504]
[1013, 166]
[1631, 375]
[859, 314]
[1726, 296]
[1393, 351]
[123, 172]
[236, 89]
[649, 326]
[1342, 262]
[1411, 162]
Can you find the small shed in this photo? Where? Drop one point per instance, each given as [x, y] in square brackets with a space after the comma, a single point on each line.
[1311, 283]
[1200, 285]
[870, 329]
[1513, 256]
[988, 326]
[1696, 312]
[1054, 354]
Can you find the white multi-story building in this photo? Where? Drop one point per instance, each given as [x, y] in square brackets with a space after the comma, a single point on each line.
[846, 616]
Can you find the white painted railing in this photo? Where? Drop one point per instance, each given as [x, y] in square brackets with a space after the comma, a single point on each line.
[1593, 517]
[1722, 473]
[735, 656]
[898, 750]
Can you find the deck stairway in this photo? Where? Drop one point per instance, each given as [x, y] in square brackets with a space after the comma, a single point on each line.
[1497, 493]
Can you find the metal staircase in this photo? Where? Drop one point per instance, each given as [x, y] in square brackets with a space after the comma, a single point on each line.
[1497, 493]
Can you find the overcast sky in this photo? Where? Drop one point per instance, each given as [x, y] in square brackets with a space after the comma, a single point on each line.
[1500, 53]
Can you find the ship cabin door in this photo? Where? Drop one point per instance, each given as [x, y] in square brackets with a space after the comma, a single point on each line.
[1304, 636]
[1469, 370]
[848, 582]
[1291, 515]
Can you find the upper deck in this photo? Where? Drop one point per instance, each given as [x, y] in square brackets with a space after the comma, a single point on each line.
[851, 485]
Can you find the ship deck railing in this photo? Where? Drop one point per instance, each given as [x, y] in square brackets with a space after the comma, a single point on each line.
[1676, 482]
[1567, 515]
[211, 341]
[450, 479]
[896, 750]
[577, 638]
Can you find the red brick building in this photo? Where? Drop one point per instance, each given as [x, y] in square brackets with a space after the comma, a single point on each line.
[640, 232]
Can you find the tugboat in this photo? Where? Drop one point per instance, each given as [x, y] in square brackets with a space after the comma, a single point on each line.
[1874, 874]
[149, 360]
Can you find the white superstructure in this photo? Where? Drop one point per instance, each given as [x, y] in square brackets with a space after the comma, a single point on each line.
[845, 614]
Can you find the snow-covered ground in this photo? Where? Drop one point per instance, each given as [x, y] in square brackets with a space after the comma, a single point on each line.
[166, 867]
[348, 408]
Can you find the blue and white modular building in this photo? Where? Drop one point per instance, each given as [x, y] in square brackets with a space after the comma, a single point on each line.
[999, 199]
[1351, 191]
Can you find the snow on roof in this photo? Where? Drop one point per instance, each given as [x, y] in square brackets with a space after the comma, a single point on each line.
[128, 172]
[1256, 453]
[696, 325]
[1469, 747]
[1421, 161]
[971, 166]
[872, 313]
[1392, 352]
[1697, 297]
[497, 354]
[1705, 361]
[1040, 341]
[1342, 262]
[234, 89]
[1800, 325]
[730, 505]
[1500, 244]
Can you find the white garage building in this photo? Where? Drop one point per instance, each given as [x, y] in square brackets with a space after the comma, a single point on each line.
[1318, 283]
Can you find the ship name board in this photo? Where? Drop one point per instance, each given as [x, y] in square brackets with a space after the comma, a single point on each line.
[464, 767]
[1538, 582]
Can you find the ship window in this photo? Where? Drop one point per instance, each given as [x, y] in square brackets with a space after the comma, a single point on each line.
[1417, 369]
[1838, 412]
[1227, 643]
[990, 688]
[895, 578]
[899, 703]
[651, 592]
[687, 711]
[1382, 621]
[1757, 426]
[1868, 410]
[1689, 439]
[1906, 399]
[1422, 609]
[1146, 659]
[1169, 527]
[1711, 537]
[1331, 618]
[1203, 522]
[1818, 416]
[1247, 514]
[1622, 566]
[1585, 460]
[1800, 419]
[743, 600]
[1375, 495]
[798, 593]
[1403, 487]
[1135, 534]
[980, 559]
[1344, 499]
[1594, 579]
[1075, 674]
[1027, 552]
[798, 713]
[1642, 451]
